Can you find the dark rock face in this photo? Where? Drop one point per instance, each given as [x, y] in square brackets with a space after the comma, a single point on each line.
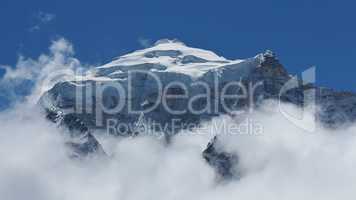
[82, 143]
[159, 53]
[336, 107]
[192, 59]
[265, 68]
[85, 146]
[224, 163]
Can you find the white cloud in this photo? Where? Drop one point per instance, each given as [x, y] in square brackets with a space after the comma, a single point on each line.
[45, 17]
[145, 42]
[43, 72]
[41, 19]
[282, 163]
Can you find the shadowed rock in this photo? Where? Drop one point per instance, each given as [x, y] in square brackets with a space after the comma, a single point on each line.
[224, 163]
[85, 146]
[81, 142]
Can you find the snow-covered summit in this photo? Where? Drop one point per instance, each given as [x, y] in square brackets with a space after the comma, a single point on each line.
[170, 61]
[167, 55]
[173, 61]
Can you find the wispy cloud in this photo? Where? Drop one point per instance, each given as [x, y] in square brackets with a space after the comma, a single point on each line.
[34, 75]
[41, 19]
[145, 42]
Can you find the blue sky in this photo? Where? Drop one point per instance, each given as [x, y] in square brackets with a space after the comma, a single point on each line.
[303, 33]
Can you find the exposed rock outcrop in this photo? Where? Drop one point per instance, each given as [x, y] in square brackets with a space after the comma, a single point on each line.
[223, 162]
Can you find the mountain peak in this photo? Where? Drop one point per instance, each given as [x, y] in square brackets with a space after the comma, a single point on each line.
[168, 41]
[166, 55]
[269, 53]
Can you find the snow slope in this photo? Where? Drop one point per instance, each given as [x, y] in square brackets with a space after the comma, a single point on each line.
[168, 56]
